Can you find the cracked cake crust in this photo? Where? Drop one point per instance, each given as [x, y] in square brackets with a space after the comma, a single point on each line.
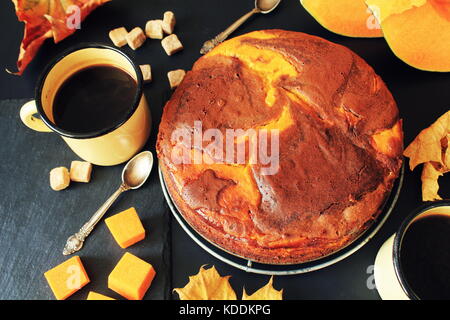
[340, 141]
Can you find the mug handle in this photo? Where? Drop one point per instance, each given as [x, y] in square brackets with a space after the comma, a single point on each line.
[27, 113]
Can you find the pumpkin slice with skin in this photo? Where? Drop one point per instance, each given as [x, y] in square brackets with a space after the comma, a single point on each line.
[417, 31]
[350, 18]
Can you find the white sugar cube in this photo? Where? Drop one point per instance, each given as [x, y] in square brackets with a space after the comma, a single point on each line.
[80, 171]
[146, 72]
[154, 30]
[136, 38]
[171, 44]
[59, 178]
[175, 77]
[168, 22]
[119, 36]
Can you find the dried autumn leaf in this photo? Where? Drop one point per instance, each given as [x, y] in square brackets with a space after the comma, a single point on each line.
[427, 146]
[430, 186]
[48, 19]
[446, 154]
[265, 293]
[431, 147]
[207, 285]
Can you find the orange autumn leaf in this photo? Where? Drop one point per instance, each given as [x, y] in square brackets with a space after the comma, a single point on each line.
[265, 293]
[207, 285]
[48, 19]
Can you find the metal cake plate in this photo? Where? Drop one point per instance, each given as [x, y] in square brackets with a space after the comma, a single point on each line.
[286, 269]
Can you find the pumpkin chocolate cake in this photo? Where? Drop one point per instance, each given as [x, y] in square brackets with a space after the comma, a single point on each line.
[330, 146]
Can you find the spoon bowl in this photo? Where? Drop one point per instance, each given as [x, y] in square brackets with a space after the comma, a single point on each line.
[261, 6]
[137, 170]
[266, 6]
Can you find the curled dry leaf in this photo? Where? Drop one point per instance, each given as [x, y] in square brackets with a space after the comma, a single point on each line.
[48, 19]
[207, 285]
[430, 186]
[428, 145]
[445, 145]
[431, 147]
[265, 293]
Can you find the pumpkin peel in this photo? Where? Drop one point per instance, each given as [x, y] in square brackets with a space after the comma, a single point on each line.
[417, 31]
[346, 17]
[442, 7]
[388, 8]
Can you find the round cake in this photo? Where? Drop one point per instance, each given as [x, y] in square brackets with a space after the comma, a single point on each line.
[280, 147]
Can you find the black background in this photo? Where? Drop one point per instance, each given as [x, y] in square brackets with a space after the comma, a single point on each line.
[421, 96]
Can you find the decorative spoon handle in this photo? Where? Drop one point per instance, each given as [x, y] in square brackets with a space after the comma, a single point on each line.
[75, 242]
[210, 44]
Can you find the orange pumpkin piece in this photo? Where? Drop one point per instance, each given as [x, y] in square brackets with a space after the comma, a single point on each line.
[67, 278]
[131, 277]
[350, 18]
[417, 31]
[97, 296]
[126, 227]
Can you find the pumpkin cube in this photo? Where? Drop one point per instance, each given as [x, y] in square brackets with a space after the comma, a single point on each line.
[97, 296]
[126, 227]
[80, 171]
[59, 178]
[67, 278]
[131, 277]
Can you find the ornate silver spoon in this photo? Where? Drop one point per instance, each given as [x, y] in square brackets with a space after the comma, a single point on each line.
[261, 6]
[134, 175]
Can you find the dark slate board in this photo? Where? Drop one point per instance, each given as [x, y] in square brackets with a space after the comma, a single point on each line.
[35, 221]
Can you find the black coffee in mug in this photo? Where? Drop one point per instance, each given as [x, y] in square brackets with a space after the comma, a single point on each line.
[94, 99]
[425, 257]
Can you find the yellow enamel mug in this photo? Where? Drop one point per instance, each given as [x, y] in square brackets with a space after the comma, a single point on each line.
[108, 146]
[390, 275]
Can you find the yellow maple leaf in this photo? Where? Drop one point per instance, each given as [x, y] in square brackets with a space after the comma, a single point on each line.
[446, 156]
[428, 145]
[207, 284]
[265, 293]
[431, 147]
[430, 186]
